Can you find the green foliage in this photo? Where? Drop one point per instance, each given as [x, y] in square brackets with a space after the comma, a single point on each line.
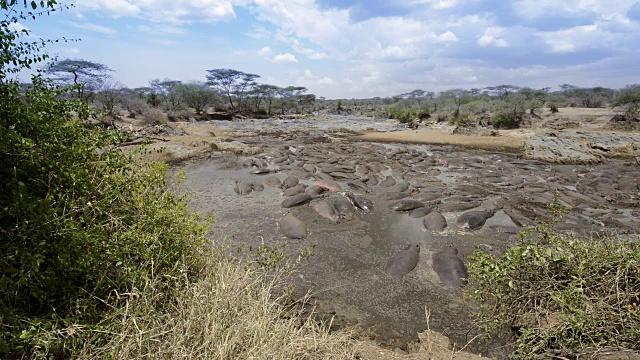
[629, 97]
[82, 222]
[424, 114]
[561, 294]
[554, 108]
[508, 118]
[404, 115]
[339, 106]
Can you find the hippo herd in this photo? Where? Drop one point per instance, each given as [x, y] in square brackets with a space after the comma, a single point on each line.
[340, 180]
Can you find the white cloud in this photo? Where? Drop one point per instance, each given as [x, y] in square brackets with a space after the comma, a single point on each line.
[71, 50]
[578, 38]
[317, 56]
[17, 27]
[158, 29]
[447, 37]
[284, 59]
[93, 28]
[493, 36]
[599, 8]
[265, 52]
[168, 11]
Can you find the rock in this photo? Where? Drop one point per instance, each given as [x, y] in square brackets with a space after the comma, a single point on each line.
[564, 151]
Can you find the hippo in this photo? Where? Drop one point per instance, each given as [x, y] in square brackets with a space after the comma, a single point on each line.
[345, 208]
[404, 262]
[406, 205]
[327, 210]
[243, 187]
[450, 268]
[296, 190]
[473, 220]
[434, 221]
[296, 200]
[292, 228]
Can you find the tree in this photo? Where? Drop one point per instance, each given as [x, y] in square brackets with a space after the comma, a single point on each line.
[84, 75]
[196, 95]
[502, 91]
[288, 96]
[459, 97]
[169, 90]
[15, 54]
[109, 95]
[269, 93]
[231, 82]
[629, 97]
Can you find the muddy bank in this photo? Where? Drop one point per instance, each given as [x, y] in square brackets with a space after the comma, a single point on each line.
[346, 273]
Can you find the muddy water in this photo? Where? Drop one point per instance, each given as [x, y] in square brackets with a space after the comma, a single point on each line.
[346, 272]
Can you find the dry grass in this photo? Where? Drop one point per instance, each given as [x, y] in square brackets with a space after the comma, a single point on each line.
[444, 137]
[230, 313]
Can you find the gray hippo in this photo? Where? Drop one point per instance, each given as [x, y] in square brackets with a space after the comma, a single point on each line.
[402, 263]
[450, 268]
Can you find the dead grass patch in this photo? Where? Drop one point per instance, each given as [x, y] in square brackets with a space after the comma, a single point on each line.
[229, 313]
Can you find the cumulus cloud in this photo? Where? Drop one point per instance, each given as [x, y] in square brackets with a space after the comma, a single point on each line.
[430, 44]
[493, 36]
[284, 59]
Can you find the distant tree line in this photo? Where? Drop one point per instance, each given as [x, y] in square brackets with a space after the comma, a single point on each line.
[501, 105]
[224, 90]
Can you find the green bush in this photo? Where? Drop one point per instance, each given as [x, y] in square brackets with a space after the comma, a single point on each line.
[507, 120]
[424, 114]
[81, 222]
[560, 294]
[404, 115]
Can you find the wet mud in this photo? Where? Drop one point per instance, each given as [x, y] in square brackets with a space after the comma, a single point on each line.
[346, 274]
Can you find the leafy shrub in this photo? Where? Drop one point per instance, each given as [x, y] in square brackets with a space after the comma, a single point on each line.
[443, 117]
[554, 108]
[404, 115]
[507, 120]
[424, 114]
[561, 294]
[82, 223]
[179, 115]
[153, 116]
[134, 105]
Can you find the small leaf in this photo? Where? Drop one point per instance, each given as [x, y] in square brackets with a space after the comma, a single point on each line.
[34, 5]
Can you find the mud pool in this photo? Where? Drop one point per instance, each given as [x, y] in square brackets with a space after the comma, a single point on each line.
[346, 273]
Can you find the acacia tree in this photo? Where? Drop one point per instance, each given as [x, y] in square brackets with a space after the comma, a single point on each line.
[85, 75]
[231, 82]
[268, 93]
[196, 95]
[288, 96]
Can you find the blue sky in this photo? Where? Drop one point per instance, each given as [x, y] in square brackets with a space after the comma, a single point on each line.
[358, 48]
